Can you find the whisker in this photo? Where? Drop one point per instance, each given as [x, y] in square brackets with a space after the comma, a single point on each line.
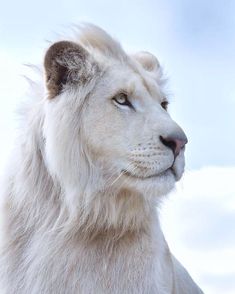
[117, 178]
[121, 174]
[126, 179]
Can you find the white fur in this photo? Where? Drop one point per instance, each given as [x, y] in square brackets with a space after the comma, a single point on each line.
[73, 221]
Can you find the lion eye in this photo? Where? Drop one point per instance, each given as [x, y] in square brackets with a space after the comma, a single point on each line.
[164, 104]
[122, 99]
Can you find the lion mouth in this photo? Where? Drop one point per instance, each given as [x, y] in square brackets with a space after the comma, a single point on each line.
[156, 175]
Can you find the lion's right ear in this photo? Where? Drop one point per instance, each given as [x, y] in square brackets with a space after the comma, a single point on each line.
[65, 63]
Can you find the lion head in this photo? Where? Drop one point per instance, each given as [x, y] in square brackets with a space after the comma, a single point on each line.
[109, 139]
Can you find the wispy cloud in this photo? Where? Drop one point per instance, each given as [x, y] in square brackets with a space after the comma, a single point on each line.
[198, 221]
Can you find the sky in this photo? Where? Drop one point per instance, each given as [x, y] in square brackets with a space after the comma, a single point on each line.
[194, 41]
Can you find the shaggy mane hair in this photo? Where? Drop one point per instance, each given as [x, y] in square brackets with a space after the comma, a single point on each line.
[70, 223]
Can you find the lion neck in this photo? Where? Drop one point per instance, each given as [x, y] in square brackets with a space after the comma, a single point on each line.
[121, 216]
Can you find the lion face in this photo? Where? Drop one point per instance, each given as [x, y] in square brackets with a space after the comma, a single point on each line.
[112, 111]
[126, 131]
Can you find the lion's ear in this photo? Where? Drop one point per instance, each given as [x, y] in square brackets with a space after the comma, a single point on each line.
[147, 60]
[65, 62]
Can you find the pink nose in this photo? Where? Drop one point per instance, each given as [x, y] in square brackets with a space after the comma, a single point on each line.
[175, 142]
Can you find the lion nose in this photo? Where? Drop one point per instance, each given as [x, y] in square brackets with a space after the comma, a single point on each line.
[175, 142]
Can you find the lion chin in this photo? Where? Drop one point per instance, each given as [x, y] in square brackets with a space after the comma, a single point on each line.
[97, 152]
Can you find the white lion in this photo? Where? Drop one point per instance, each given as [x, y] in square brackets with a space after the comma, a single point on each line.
[94, 158]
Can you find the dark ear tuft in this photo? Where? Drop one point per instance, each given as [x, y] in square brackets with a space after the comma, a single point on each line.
[65, 62]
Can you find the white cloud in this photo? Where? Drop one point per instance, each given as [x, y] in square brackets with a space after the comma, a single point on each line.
[199, 224]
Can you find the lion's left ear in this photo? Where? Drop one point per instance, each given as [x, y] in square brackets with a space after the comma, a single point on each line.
[66, 63]
[147, 60]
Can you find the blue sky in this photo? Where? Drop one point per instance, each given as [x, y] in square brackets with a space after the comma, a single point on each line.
[195, 42]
